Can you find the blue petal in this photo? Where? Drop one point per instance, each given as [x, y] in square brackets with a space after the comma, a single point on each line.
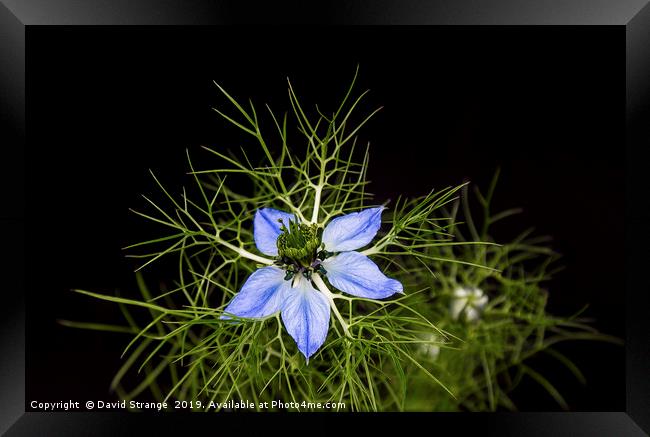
[306, 316]
[266, 229]
[262, 294]
[352, 231]
[357, 275]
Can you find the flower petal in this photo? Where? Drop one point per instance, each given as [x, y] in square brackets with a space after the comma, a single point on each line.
[456, 307]
[261, 295]
[266, 229]
[463, 293]
[306, 316]
[471, 314]
[481, 302]
[352, 231]
[357, 275]
[468, 301]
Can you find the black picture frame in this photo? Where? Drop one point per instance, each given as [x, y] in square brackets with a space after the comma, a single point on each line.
[17, 16]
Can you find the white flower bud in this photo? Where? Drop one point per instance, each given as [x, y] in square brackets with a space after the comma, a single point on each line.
[469, 301]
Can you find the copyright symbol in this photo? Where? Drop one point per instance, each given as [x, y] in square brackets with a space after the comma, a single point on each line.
[90, 405]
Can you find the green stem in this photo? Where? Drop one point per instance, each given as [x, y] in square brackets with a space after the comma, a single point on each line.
[379, 246]
[319, 187]
[320, 284]
[317, 196]
[244, 253]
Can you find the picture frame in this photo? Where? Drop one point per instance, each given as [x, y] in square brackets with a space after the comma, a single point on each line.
[18, 17]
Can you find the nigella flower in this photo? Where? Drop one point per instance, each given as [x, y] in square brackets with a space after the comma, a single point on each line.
[428, 349]
[468, 301]
[305, 254]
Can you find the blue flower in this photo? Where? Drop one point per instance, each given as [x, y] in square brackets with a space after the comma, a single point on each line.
[304, 255]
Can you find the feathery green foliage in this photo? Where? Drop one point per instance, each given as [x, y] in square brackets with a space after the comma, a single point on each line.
[378, 354]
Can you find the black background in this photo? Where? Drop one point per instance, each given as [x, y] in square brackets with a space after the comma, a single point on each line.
[106, 104]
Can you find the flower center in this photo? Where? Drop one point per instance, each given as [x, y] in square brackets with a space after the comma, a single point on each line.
[298, 243]
[298, 249]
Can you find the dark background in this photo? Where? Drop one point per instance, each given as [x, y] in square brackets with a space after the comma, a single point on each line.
[106, 104]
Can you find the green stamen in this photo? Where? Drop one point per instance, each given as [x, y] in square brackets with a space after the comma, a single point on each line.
[298, 243]
[289, 275]
[323, 255]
